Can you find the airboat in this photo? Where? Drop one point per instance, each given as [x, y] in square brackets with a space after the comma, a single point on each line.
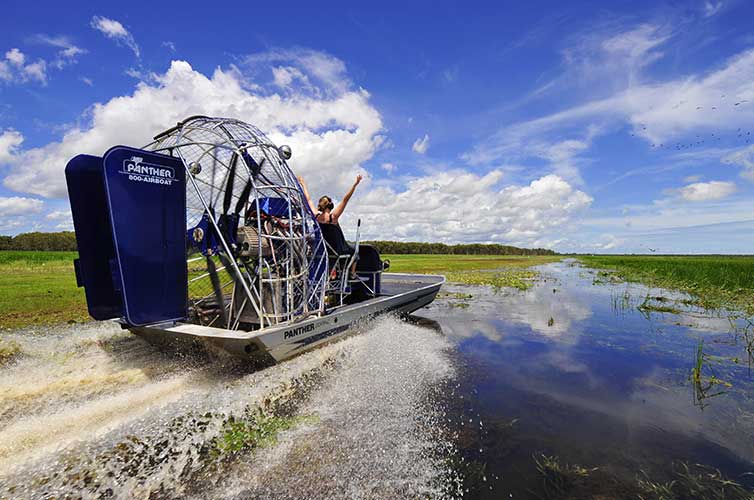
[205, 235]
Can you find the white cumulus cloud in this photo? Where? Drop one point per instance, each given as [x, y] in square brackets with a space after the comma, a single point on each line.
[707, 191]
[13, 69]
[461, 206]
[59, 215]
[15, 57]
[330, 136]
[10, 140]
[332, 129]
[15, 205]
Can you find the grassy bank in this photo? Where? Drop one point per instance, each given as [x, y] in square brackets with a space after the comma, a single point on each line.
[718, 281]
[39, 288]
[495, 270]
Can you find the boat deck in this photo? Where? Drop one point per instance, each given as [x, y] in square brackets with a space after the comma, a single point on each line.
[396, 283]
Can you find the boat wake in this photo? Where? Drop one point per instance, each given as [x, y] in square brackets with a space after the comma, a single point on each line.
[93, 411]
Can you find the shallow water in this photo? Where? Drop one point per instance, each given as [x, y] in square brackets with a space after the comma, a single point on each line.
[580, 369]
[459, 403]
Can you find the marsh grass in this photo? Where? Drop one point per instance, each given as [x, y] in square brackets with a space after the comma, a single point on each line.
[39, 288]
[9, 350]
[520, 279]
[693, 481]
[703, 379]
[657, 305]
[445, 264]
[684, 482]
[717, 281]
[560, 479]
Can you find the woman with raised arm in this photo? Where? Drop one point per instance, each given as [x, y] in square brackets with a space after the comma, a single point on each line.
[326, 211]
[328, 215]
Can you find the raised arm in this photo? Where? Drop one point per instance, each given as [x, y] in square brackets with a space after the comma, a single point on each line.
[342, 205]
[306, 194]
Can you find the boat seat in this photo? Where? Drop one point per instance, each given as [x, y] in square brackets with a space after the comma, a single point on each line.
[336, 240]
[340, 256]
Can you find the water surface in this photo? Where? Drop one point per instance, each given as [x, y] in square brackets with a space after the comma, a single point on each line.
[463, 401]
[595, 373]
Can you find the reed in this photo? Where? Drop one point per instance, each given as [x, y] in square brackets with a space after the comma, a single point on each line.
[717, 281]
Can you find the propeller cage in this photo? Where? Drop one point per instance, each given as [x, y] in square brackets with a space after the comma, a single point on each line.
[254, 252]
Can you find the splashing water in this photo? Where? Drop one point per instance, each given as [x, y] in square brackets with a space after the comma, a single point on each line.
[378, 434]
[93, 411]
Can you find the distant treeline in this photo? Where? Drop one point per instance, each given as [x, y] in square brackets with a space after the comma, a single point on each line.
[66, 241]
[413, 247]
[63, 241]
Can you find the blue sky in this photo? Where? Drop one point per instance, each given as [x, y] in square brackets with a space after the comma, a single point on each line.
[576, 126]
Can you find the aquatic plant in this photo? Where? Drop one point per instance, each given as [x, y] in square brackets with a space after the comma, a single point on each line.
[693, 481]
[560, 479]
[520, 279]
[717, 281]
[9, 350]
[703, 385]
[649, 305]
[256, 429]
[455, 295]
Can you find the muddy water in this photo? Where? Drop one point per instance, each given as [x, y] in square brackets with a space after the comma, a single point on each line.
[460, 403]
[96, 412]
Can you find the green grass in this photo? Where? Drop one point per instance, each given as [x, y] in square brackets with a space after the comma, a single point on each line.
[449, 263]
[498, 271]
[39, 288]
[718, 281]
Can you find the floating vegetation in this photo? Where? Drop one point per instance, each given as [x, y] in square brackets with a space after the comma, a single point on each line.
[456, 295]
[605, 277]
[688, 481]
[256, 429]
[460, 305]
[560, 479]
[693, 481]
[658, 305]
[9, 350]
[520, 279]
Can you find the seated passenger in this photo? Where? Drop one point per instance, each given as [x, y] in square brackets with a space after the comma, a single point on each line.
[328, 213]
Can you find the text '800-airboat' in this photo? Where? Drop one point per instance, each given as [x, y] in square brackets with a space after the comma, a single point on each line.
[205, 233]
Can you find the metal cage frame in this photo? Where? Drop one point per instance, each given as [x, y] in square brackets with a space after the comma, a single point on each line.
[287, 278]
